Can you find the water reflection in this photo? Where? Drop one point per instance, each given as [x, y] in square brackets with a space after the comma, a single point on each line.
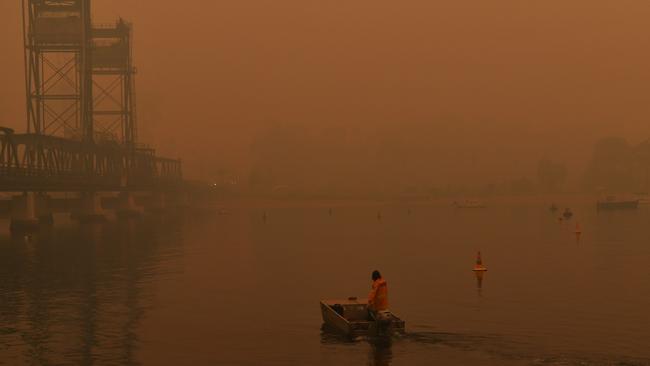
[379, 354]
[76, 295]
[479, 281]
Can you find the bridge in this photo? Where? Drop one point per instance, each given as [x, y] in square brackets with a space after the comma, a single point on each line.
[33, 162]
[81, 131]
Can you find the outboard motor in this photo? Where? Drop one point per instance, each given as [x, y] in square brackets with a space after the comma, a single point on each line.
[383, 320]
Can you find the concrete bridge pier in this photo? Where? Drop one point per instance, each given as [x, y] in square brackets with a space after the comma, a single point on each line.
[181, 200]
[44, 209]
[23, 213]
[159, 201]
[29, 211]
[126, 206]
[90, 208]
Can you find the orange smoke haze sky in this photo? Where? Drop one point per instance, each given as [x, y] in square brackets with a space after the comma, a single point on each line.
[494, 85]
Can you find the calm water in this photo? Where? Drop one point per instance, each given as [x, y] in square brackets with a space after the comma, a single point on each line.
[240, 290]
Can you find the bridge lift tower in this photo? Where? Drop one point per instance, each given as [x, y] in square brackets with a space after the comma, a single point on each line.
[114, 115]
[79, 77]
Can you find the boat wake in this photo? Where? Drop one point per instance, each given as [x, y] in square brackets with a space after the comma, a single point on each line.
[501, 348]
[486, 347]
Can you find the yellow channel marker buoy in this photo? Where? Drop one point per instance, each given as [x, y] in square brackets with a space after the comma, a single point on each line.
[479, 267]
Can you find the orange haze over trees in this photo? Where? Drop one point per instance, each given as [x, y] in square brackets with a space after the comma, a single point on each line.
[377, 96]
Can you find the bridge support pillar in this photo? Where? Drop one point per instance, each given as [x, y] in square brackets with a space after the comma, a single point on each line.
[126, 206]
[91, 208]
[181, 200]
[23, 213]
[159, 201]
[44, 209]
[29, 211]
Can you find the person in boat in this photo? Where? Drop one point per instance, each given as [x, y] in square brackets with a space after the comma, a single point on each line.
[378, 297]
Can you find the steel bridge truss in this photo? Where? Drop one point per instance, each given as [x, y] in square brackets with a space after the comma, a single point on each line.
[32, 162]
[54, 36]
[79, 77]
[113, 83]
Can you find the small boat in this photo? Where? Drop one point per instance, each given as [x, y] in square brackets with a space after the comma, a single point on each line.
[469, 204]
[351, 318]
[613, 203]
[567, 213]
[643, 199]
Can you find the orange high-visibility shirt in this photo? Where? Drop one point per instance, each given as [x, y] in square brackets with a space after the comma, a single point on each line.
[378, 297]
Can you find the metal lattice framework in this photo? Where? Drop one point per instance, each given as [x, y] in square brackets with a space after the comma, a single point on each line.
[59, 90]
[49, 163]
[81, 120]
[113, 83]
[79, 77]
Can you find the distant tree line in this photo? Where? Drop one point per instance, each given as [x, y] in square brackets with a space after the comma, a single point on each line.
[298, 160]
[618, 166]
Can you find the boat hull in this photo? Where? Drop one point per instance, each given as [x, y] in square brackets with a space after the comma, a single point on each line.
[351, 318]
[617, 205]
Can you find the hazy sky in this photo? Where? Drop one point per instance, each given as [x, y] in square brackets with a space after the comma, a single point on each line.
[509, 80]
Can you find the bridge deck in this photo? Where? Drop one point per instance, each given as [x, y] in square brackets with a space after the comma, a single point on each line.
[32, 162]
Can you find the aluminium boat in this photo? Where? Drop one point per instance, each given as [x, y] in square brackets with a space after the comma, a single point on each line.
[613, 203]
[350, 317]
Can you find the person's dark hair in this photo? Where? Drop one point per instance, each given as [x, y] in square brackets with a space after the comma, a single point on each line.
[376, 275]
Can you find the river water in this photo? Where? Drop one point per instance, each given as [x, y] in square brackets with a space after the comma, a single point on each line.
[243, 288]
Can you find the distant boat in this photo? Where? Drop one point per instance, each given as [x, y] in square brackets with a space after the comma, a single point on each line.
[643, 198]
[614, 202]
[469, 204]
[567, 213]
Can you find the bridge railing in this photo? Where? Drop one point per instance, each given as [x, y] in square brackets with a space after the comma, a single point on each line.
[31, 161]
